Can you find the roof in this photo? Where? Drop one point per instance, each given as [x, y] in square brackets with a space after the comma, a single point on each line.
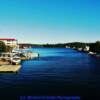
[12, 39]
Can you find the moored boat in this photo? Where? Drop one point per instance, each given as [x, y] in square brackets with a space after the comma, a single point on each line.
[10, 57]
[15, 60]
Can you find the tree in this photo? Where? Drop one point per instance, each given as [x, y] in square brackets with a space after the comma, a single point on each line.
[95, 47]
[2, 46]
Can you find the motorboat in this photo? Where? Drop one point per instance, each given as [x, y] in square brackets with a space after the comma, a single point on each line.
[15, 60]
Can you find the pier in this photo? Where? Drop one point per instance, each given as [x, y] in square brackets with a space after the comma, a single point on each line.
[11, 61]
[9, 68]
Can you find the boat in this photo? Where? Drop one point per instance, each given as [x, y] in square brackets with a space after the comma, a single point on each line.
[26, 54]
[12, 58]
[15, 60]
[6, 56]
[92, 53]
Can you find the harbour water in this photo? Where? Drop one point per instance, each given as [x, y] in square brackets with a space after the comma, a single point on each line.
[58, 71]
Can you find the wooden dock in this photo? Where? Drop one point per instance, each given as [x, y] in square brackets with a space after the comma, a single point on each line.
[9, 68]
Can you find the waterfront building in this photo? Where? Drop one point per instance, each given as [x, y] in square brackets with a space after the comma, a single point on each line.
[80, 49]
[87, 48]
[11, 42]
[67, 46]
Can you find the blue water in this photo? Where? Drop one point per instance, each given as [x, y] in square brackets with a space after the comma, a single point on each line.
[58, 71]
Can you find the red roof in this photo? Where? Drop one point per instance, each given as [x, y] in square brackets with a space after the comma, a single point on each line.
[12, 39]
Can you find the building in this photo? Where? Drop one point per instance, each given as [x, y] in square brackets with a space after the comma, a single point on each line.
[67, 46]
[87, 48]
[12, 42]
[80, 49]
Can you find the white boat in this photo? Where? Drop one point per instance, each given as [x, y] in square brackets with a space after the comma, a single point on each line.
[11, 57]
[15, 60]
[91, 53]
[26, 53]
[6, 56]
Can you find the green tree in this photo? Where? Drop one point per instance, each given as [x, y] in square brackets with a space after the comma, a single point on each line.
[95, 47]
[2, 46]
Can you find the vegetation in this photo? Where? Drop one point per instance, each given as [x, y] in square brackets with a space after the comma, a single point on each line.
[94, 47]
[2, 46]
[21, 45]
[77, 45]
[54, 45]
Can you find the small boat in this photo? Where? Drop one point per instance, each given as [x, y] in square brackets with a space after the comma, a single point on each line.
[6, 56]
[15, 60]
[26, 54]
[92, 53]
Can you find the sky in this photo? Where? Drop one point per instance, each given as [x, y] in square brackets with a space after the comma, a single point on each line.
[50, 21]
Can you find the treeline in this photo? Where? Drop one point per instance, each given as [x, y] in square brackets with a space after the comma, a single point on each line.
[42, 45]
[28, 45]
[93, 47]
[77, 45]
[55, 45]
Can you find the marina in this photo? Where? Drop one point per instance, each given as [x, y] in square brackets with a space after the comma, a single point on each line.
[49, 48]
[12, 56]
[11, 62]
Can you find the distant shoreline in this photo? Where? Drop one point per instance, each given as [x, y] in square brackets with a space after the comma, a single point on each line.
[92, 48]
[52, 45]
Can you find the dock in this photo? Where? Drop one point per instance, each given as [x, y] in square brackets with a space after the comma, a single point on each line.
[9, 68]
[11, 61]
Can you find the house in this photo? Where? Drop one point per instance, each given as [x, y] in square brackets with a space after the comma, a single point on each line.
[12, 42]
[87, 48]
[67, 46]
[80, 49]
